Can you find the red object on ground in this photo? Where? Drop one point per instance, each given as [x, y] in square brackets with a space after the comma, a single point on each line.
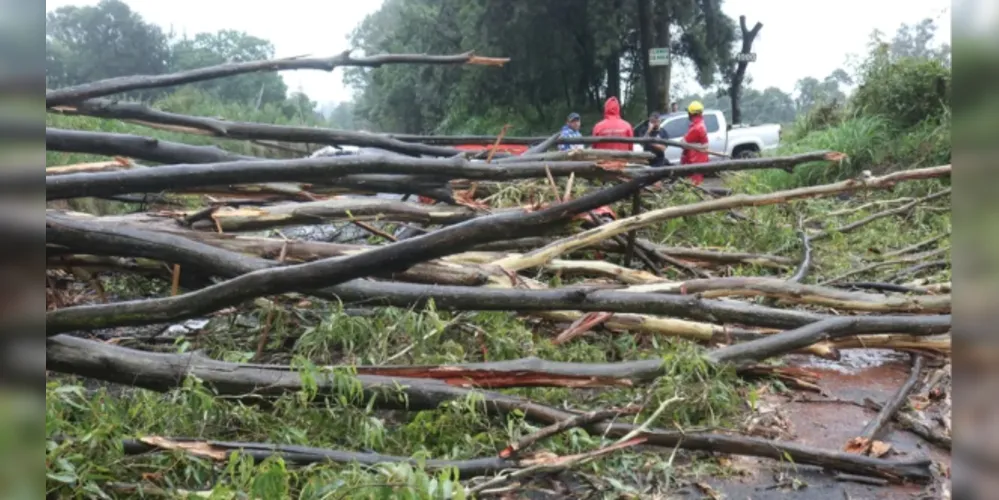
[514, 149]
[613, 126]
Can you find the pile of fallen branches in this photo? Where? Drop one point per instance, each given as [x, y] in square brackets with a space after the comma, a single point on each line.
[461, 248]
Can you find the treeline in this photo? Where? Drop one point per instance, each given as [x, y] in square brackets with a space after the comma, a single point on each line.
[569, 55]
[84, 44]
[566, 55]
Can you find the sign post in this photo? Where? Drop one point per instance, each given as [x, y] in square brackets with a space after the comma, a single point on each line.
[660, 57]
[742, 57]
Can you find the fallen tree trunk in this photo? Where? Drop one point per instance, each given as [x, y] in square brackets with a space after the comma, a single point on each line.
[319, 169]
[171, 248]
[117, 85]
[586, 238]
[95, 239]
[159, 151]
[785, 290]
[323, 168]
[830, 329]
[166, 371]
[200, 125]
[390, 258]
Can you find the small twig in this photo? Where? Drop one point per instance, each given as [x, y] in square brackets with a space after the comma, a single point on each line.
[876, 265]
[880, 215]
[499, 139]
[374, 230]
[568, 187]
[557, 428]
[806, 259]
[554, 186]
[175, 280]
[882, 287]
[865, 206]
[875, 481]
[909, 271]
[554, 464]
[200, 215]
[917, 246]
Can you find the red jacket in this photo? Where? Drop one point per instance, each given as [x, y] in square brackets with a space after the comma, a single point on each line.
[612, 126]
[696, 134]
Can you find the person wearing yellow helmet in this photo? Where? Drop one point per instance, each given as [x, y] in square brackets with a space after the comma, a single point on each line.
[697, 135]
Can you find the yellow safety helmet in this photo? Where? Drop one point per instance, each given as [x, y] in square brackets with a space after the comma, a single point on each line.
[695, 107]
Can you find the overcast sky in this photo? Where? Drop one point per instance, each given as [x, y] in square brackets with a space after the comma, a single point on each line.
[799, 37]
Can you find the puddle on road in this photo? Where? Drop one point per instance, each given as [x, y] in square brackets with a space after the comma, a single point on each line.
[860, 373]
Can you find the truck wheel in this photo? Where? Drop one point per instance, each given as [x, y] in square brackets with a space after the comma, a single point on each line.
[747, 153]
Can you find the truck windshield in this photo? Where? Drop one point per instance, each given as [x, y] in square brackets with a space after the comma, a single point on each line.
[678, 126]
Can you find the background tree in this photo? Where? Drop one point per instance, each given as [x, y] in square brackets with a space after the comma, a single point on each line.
[90, 43]
[566, 55]
[735, 74]
[208, 49]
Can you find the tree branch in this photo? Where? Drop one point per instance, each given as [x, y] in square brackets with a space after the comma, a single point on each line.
[127, 83]
[828, 329]
[166, 371]
[390, 258]
[246, 130]
[586, 238]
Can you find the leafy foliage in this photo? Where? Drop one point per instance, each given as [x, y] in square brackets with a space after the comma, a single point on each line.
[565, 55]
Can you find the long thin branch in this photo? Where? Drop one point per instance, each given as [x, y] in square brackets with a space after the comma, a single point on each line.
[160, 151]
[201, 125]
[319, 169]
[804, 294]
[880, 215]
[490, 139]
[127, 83]
[305, 455]
[917, 246]
[323, 168]
[584, 419]
[877, 265]
[829, 329]
[586, 238]
[166, 371]
[393, 257]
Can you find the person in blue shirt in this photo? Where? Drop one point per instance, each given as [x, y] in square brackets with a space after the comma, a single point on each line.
[571, 129]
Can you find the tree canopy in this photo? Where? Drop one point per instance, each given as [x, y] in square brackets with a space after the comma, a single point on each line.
[565, 55]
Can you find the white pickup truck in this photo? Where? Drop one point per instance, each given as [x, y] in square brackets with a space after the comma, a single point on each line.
[736, 141]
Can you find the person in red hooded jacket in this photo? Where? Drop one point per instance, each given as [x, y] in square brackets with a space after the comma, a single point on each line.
[697, 135]
[612, 126]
